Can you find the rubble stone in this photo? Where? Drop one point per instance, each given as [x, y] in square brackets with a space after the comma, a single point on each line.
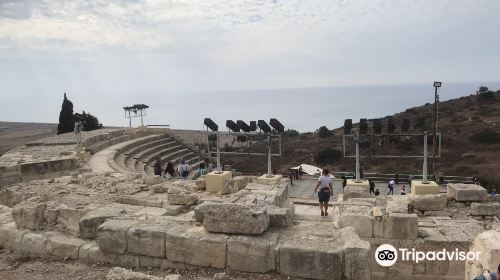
[112, 235]
[252, 253]
[429, 202]
[233, 217]
[485, 209]
[30, 215]
[181, 196]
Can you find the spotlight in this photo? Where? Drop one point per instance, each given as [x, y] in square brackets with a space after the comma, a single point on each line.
[264, 126]
[210, 124]
[232, 126]
[243, 126]
[253, 126]
[277, 125]
[347, 126]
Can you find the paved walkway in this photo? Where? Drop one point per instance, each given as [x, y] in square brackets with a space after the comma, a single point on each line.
[99, 161]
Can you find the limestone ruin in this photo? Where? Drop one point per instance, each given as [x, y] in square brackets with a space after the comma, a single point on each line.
[100, 203]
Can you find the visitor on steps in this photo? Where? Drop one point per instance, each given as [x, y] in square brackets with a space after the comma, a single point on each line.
[183, 169]
[170, 169]
[325, 191]
[202, 170]
[208, 166]
[157, 167]
[391, 187]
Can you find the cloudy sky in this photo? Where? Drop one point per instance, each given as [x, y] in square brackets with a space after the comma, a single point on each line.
[118, 52]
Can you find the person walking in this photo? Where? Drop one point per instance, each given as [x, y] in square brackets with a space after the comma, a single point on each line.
[344, 181]
[391, 187]
[372, 186]
[170, 169]
[157, 167]
[325, 191]
[183, 169]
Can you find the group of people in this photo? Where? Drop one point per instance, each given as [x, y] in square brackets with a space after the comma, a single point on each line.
[183, 169]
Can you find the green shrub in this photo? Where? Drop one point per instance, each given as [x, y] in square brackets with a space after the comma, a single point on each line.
[324, 132]
[328, 155]
[486, 137]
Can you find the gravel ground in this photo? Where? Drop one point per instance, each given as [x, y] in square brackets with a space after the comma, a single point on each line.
[16, 269]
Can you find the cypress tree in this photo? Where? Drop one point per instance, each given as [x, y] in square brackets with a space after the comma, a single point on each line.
[66, 119]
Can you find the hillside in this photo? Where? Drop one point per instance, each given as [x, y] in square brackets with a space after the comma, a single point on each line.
[14, 134]
[470, 143]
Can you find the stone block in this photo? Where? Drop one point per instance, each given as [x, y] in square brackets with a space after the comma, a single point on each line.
[94, 218]
[264, 179]
[90, 252]
[240, 182]
[233, 217]
[33, 245]
[357, 256]
[147, 239]
[485, 209]
[466, 192]
[9, 235]
[195, 246]
[429, 202]
[201, 183]
[152, 180]
[401, 226]
[486, 243]
[181, 196]
[64, 246]
[215, 182]
[112, 235]
[362, 223]
[312, 255]
[68, 220]
[281, 217]
[419, 188]
[9, 197]
[355, 189]
[30, 215]
[252, 253]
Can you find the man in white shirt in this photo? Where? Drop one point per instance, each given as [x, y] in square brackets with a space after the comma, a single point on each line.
[325, 191]
[183, 169]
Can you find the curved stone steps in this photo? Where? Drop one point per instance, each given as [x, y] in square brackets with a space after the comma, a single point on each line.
[130, 148]
[120, 154]
[180, 150]
[138, 165]
[145, 146]
[175, 158]
[99, 146]
[152, 152]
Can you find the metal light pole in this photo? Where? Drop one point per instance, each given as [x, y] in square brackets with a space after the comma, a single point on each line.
[434, 133]
[424, 167]
[269, 171]
[358, 176]
[219, 167]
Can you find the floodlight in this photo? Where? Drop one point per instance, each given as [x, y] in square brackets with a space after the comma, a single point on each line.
[253, 126]
[377, 126]
[347, 126]
[243, 126]
[363, 126]
[232, 126]
[437, 84]
[277, 125]
[264, 126]
[210, 124]
[391, 124]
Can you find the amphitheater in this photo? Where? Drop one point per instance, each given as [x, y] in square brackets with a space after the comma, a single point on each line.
[99, 202]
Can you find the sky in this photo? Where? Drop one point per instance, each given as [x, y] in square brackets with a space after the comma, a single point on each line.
[107, 54]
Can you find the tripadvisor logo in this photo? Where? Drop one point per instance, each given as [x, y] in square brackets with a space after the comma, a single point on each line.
[387, 255]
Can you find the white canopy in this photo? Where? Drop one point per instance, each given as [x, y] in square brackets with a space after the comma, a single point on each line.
[310, 169]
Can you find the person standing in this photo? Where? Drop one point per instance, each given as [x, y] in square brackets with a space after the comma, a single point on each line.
[403, 190]
[202, 170]
[344, 181]
[208, 166]
[183, 169]
[325, 191]
[391, 187]
[157, 167]
[170, 169]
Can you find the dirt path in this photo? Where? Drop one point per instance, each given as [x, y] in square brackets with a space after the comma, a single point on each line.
[12, 269]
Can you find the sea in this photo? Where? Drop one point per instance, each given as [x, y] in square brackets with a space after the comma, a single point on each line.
[303, 109]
